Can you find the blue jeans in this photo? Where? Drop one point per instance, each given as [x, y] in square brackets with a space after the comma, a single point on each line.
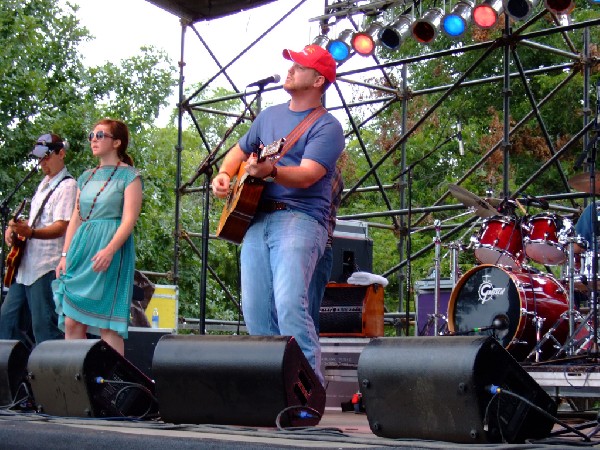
[278, 256]
[319, 281]
[38, 297]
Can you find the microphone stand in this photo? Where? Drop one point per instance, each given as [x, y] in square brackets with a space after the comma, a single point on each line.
[5, 213]
[206, 168]
[592, 168]
[408, 171]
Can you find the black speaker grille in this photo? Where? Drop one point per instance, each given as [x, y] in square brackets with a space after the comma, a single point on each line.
[342, 310]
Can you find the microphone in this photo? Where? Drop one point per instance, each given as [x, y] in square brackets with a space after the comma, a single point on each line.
[461, 145]
[272, 79]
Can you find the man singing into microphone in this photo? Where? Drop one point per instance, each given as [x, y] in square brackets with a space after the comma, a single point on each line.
[288, 234]
[51, 209]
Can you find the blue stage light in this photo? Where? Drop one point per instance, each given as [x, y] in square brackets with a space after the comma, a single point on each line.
[453, 26]
[340, 47]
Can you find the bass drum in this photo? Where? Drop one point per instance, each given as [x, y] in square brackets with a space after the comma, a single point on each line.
[496, 301]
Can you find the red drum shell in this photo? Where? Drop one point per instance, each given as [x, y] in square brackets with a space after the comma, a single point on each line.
[488, 292]
[542, 238]
[500, 242]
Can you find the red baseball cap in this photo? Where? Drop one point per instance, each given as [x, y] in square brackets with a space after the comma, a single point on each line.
[315, 57]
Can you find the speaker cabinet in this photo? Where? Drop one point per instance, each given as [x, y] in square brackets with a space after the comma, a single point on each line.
[74, 378]
[349, 256]
[437, 388]
[351, 310]
[140, 345]
[236, 380]
[13, 371]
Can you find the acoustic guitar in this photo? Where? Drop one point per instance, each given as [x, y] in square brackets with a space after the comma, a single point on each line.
[242, 201]
[16, 250]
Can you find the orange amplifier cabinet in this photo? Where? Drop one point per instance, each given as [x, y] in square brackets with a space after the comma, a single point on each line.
[351, 310]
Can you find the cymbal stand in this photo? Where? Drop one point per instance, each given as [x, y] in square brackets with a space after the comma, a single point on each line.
[437, 240]
[538, 322]
[571, 314]
[455, 273]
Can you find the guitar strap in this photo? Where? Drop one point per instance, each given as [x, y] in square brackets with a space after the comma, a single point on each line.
[299, 130]
[39, 211]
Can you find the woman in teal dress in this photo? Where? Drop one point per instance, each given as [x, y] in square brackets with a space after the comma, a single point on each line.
[94, 284]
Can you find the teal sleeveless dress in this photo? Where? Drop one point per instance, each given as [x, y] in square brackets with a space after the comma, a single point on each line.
[100, 300]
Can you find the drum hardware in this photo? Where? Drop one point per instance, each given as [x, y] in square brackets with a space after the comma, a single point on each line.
[432, 319]
[437, 240]
[455, 273]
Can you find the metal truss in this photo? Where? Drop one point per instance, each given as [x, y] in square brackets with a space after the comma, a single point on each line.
[385, 95]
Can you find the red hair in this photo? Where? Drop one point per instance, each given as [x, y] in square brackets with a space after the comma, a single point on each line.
[119, 131]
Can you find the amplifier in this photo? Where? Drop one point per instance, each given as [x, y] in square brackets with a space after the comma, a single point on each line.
[352, 250]
[351, 310]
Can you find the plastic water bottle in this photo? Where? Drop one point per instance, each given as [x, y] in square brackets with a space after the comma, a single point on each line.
[155, 318]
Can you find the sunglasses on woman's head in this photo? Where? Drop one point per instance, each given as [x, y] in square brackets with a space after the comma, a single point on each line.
[99, 135]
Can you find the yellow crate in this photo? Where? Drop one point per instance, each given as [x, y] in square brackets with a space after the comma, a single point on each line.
[166, 300]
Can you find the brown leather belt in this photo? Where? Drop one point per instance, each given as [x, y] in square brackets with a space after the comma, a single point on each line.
[269, 206]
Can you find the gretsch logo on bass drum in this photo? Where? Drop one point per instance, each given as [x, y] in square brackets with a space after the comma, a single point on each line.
[487, 291]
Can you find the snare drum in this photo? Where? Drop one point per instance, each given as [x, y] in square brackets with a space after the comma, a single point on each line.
[505, 304]
[546, 237]
[500, 242]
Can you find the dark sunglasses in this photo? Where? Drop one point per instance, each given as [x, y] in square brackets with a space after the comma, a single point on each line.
[99, 135]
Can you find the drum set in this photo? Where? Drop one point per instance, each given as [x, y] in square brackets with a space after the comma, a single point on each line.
[536, 315]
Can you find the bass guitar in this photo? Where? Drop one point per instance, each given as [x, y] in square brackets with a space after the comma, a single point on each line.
[16, 250]
[242, 202]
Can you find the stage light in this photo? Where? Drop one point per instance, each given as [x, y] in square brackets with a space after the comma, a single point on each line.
[426, 28]
[559, 6]
[394, 34]
[321, 40]
[519, 9]
[340, 47]
[454, 24]
[364, 42]
[485, 15]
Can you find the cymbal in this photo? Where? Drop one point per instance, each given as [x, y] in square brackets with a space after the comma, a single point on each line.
[581, 182]
[467, 198]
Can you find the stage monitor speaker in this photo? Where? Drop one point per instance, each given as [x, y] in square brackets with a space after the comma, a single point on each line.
[88, 378]
[437, 388]
[140, 345]
[235, 380]
[14, 385]
[351, 310]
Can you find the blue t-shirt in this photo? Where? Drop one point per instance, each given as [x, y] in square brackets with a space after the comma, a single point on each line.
[585, 225]
[323, 142]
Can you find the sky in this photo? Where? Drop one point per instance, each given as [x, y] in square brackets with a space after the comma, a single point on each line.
[133, 23]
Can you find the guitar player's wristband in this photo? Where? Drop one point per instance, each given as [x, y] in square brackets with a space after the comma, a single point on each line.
[225, 173]
[63, 254]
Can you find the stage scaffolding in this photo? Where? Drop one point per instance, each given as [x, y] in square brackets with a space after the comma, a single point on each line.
[407, 219]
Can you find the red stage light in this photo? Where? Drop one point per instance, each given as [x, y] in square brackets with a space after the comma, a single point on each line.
[484, 16]
[363, 44]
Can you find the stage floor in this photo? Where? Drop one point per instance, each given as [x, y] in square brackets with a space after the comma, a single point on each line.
[337, 429]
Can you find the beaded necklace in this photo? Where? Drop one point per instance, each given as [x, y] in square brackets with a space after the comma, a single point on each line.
[99, 192]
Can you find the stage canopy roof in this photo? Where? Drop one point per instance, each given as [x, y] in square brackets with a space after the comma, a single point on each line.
[200, 10]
